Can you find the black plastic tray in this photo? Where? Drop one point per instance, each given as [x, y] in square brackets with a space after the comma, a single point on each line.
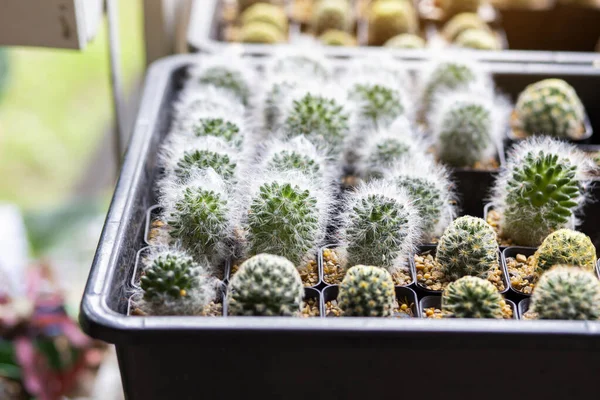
[436, 302]
[227, 358]
[204, 36]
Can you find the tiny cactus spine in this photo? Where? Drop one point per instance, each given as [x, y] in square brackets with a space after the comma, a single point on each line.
[367, 291]
[472, 297]
[265, 285]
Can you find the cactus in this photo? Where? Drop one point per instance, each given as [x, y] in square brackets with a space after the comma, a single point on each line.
[296, 154]
[460, 23]
[390, 18]
[173, 284]
[480, 39]
[198, 214]
[225, 129]
[405, 41]
[454, 7]
[334, 37]
[332, 14]
[302, 64]
[385, 147]
[467, 247]
[549, 107]
[378, 103]
[379, 226]
[567, 247]
[367, 292]
[322, 118]
[567, 292]
[265, 285]
[244, 4]
[285, 215]
[258, 32]
[541, 189]
[472, 297]
[209, 102]
[466, 128]
[266, 13]
[429, 188]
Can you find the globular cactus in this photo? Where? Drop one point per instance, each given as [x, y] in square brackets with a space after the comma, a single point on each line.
[334, 37]
[453, 7]
[430, 189]
[460, 23]
[390, 18]
[301, 63]
[405, 41]
[244, 4]
[479, 39]
[379, 225]
[195, 104]
[319, 114]
[568, 293]
[266, 13]
[284, 213]
[260, 32]
[332, 14]
[541, 189]
[367, 291]
[198, 214]
[568, 247]
[472, 297]
[467, 247]
[466, 128]
[378, 103]
[265, 285]
[549, 107]
[172, 283]
[226, 71]
[181, 157]
[226, 128]
[297, 154]
[385, 147]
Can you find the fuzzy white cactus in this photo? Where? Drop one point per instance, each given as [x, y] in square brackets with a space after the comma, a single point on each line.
[430, 189]
[302, 62]
[380, 226]
[542, 189]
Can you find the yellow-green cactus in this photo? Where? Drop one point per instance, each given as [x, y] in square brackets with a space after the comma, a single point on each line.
[460, 23]
[390, 18]
[267, 13]
[479, 39]
[332, 14]
[405, 41]
[367, 291]
[472, 297]
[261, 32]
[335, 37]
[565, 246]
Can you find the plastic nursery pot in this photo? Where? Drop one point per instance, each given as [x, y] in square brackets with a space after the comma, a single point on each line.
[513, 252]
[523, 307]
[151, 216]
[430, 249]
[436, 302]
[404, 295]
[323, 276]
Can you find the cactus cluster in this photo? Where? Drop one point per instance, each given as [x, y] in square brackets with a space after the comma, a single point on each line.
[541, 190]
[567, 292]
[467, 247]
[367, 291]
[565, 247]
[472, 297]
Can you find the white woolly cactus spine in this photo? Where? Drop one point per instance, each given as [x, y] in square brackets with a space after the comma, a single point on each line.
[430, 190]
[198, 215]
[302, 63]
[542, 189]
[172, 283]
[283, 213]
[467, 127]
[384, 147]
[380, 226]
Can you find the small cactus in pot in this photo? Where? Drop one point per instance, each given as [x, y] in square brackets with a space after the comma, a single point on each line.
[390, 18]
[265, 285]
[405, 41]
[460, 23]
[266, 13]
[260, 32]
[565, 247]
[479, 39]
[566, 293]
[367, 291]
[541, 189]
[332, 14]
[472, 297]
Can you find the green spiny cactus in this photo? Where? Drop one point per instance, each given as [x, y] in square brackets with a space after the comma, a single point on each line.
[472, 297]
[229, 79]
[405, 41]
[464, 130]
[297, 154]
[549, 107]
[480, 39]
[266, 13]
[265, 285]
[218, 127]
[567, 247]
[390, 18]
[322, 120]
[380, 226]
[467, 247]
[540, 190]
[284, 219]
[460, 23]
[204, 159]
[568, 293]
[367, 292]
[377, 103]
[288, 160]
[334, 37]
[260, 32]
[332, 14]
